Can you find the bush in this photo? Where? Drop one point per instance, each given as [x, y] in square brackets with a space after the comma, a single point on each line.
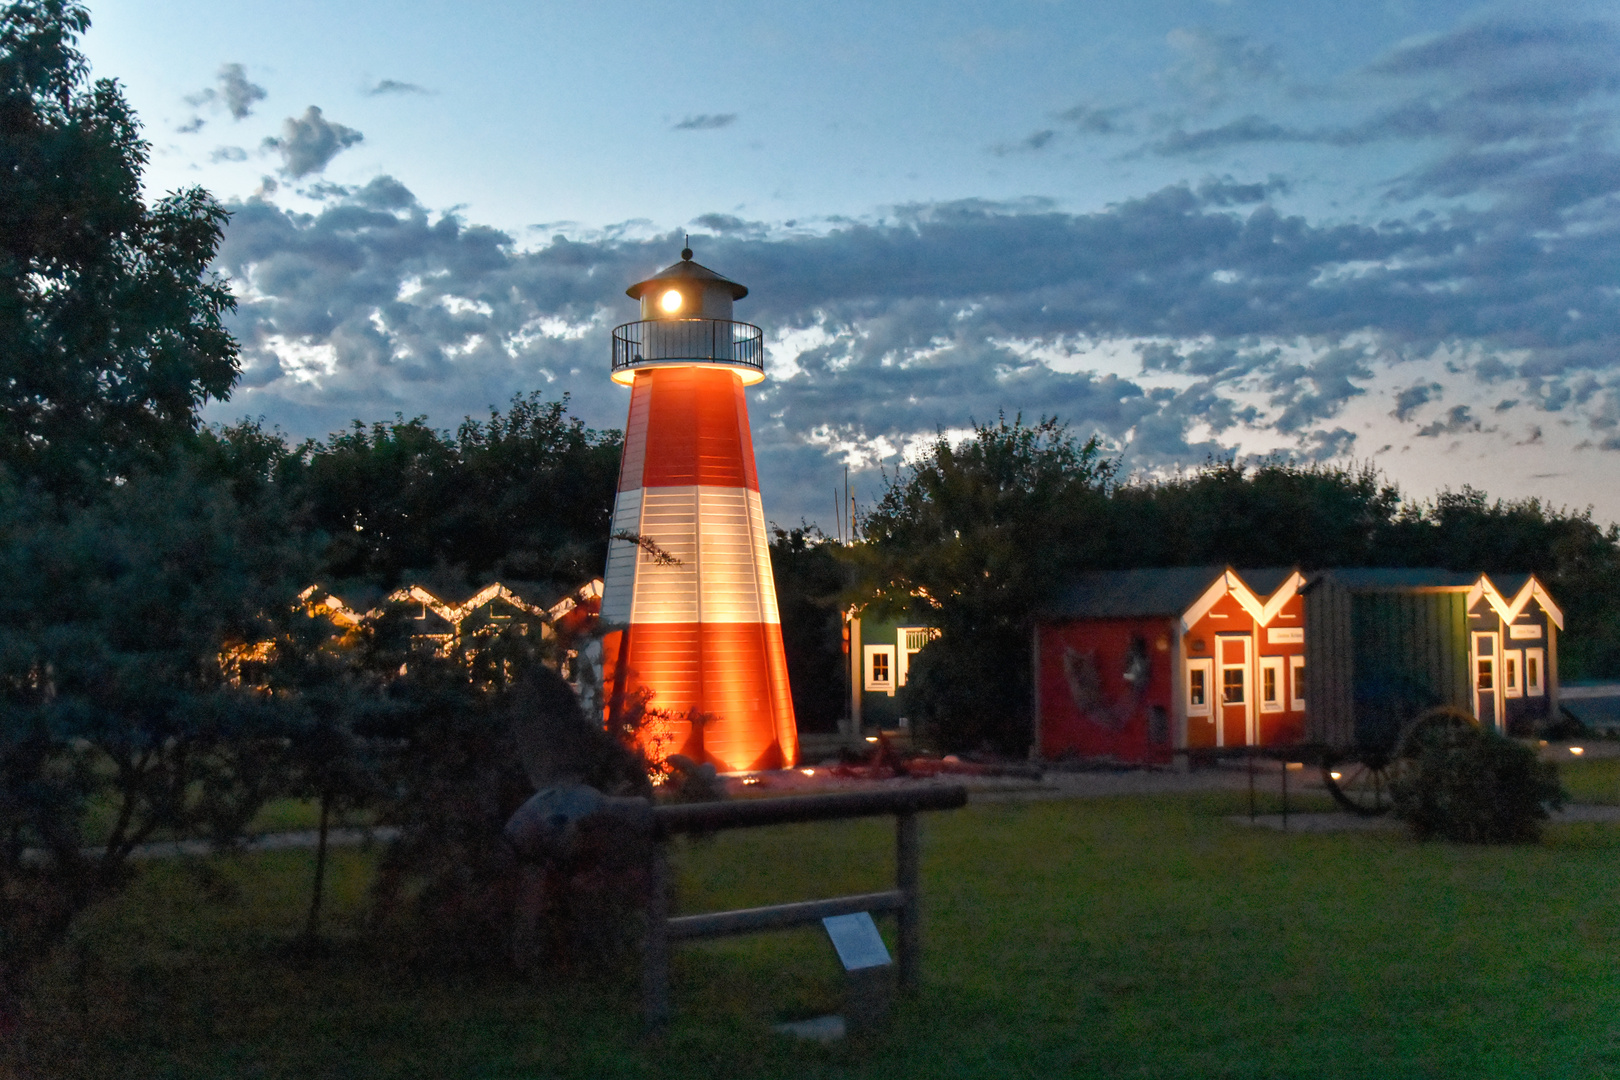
[1464, 783]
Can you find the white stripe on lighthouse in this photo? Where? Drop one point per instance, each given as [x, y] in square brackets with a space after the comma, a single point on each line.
[728, 581]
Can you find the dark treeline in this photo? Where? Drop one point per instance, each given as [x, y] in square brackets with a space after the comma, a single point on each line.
[524, 496]
[973, 537]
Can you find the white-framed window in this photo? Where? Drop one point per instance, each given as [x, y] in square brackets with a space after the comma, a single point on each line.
[1535, 673]
[1271, 684]
[1199, 686]
[1296, 683]
[878, 663]
[1513, 672]
[909, 641]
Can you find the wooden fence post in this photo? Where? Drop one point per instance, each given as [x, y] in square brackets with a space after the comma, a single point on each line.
[905, 862]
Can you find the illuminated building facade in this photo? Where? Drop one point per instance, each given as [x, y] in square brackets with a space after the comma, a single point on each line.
[688, 598]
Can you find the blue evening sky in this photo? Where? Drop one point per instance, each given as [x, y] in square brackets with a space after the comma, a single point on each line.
[1362, 232]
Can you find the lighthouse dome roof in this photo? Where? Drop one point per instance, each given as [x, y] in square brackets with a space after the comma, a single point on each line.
[687, 270]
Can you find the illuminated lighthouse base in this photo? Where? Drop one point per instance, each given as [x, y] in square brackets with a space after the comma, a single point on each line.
[695, 603]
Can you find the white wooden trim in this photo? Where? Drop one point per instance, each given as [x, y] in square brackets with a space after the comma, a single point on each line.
[1205, 666]
[1279, 599]
[1201, 607]
[1512, 673]
[871, 684]
[1278, 686]
[1247, 667]
[1537, 688]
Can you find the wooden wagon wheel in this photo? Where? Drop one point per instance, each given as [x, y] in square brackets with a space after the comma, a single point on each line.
[1361, 783]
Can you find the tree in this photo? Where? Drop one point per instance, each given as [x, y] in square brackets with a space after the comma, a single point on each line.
[972, 538]
[811, 579]
[133, 545]
[117, 717]
[111, 331]
[526, 495]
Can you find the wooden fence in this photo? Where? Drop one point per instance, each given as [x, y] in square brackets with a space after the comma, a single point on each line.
[904, 900]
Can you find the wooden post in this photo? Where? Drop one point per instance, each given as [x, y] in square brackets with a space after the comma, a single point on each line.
[655, 947]
[1285, 792]
[905, 863]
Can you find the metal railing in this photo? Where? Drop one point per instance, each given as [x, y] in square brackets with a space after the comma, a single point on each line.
[710, 341]
[904, 900]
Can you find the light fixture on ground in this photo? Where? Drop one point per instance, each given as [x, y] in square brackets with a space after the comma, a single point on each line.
[688, 589]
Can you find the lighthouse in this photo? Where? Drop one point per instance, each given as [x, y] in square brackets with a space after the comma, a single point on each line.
[688, 597]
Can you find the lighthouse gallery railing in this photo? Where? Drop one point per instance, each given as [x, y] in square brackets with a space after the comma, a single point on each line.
[712, 341]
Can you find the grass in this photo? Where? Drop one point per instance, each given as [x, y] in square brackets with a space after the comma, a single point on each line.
[1592, 780]
[1122, 937]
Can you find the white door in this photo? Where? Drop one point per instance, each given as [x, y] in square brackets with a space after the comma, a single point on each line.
[1488, 679]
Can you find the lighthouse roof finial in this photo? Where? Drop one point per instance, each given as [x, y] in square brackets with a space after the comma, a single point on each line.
[686, 252]
[687, 270]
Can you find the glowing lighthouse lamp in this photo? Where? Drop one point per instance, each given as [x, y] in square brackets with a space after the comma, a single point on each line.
[693, 604]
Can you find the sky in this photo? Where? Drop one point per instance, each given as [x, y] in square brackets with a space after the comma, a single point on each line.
[1350, 233]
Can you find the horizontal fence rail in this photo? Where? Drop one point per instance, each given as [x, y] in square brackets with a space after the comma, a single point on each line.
[904, 900]
[712, 341]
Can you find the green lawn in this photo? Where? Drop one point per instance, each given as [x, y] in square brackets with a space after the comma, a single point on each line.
[1125, 937]
[1592, 780]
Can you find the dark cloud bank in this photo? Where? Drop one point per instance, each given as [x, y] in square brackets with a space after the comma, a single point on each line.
[1232, 315]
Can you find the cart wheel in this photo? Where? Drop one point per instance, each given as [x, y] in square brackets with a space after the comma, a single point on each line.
[1434, 728]
[1360, 785]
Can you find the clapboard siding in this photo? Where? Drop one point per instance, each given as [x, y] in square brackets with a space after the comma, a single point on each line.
[1378, 652]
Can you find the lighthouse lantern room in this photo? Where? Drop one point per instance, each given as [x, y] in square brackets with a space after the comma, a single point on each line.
[688, 594]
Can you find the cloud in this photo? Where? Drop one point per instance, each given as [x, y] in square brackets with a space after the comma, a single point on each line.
[1414, 397]
[1458, 419]
[1093, 121]
[232, 91]
[394, 86]
[1211, 65]
[227, 153]
[1514, 109]
[1185, 322]
[706, 122]
[192, 126]
[308, 143]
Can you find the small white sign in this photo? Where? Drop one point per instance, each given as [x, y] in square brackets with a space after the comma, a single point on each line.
[857, 940]
[1525, 633]
[1285, 635]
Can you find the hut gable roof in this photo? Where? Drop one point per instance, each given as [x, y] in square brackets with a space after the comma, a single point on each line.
[1509, 594]
[1171, 592]
[1395, 579]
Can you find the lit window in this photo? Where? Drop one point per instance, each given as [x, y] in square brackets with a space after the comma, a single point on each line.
[1269, 690]
[1232, 686]
[1297, 701]
[1534, 673]
[1196, 691]
[1485, 680]
[880, 667]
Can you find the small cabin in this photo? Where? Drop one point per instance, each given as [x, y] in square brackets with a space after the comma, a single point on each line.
[1138, 665]
[1383, 645]
[1513, 627]
[879, 652]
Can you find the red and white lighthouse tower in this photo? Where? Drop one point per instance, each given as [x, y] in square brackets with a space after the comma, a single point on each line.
[692, 607]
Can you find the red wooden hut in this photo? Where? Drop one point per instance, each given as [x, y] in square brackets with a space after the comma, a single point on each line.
[1136, 665]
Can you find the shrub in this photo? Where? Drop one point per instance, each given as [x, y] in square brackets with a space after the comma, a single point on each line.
[1464, 783]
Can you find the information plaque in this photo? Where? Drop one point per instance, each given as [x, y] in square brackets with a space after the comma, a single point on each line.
[857, 940]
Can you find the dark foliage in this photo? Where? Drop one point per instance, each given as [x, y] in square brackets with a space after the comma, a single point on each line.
[1465, 783]
[110, 325]
[973, 538]
[811, 579]
[526, 495]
